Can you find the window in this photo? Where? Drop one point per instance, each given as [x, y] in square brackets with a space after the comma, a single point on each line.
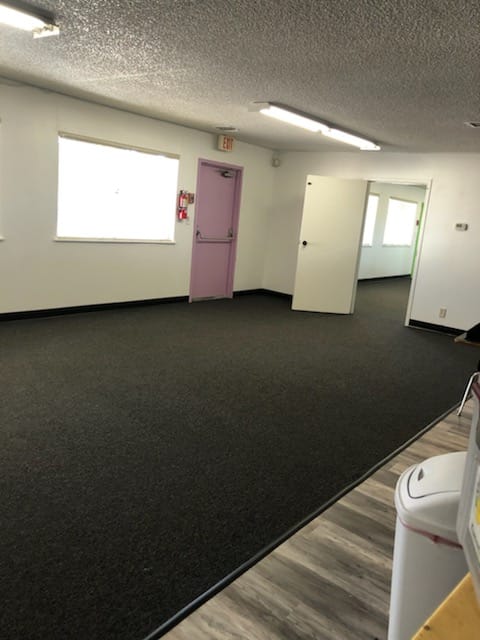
[370, 218]
[114, 193]
[400, 225]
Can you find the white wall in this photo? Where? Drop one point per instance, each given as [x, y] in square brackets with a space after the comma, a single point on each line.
[379, 260]
[39, 273]
[450, 260]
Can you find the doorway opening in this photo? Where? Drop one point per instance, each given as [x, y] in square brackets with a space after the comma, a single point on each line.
[390, 241]
[339, 215]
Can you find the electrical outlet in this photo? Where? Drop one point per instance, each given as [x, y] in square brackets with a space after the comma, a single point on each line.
[442, 313]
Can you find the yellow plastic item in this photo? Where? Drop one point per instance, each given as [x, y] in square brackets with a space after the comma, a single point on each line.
[457, 618]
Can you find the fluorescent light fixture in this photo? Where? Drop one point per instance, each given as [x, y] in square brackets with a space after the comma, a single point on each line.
[348, 138]
[27, 20]
[311, 124]
[292, 118]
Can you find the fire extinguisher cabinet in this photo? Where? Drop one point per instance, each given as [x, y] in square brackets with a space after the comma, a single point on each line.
[428, 561]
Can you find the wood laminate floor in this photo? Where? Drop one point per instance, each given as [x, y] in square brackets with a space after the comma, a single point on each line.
[331, 580]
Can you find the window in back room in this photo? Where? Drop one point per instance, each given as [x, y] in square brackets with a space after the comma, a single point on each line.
[115, 193]
[401, 223]
[370, 219]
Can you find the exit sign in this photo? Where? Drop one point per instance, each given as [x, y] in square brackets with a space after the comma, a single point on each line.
[225, 143]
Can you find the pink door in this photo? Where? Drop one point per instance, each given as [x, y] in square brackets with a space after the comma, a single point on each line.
[216, 222]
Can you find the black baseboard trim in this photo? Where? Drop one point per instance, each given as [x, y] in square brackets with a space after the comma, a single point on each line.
[438, 328]
[265, 292]
[407, 275]
[204, 597]
[104, 306]
[247, 292]
[278, 294]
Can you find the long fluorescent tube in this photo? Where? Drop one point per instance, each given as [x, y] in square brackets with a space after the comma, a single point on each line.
[27, 21]
[348, 138]
[291, 117]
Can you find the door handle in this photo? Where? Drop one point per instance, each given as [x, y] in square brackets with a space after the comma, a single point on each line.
[304, 243]
[227, 238]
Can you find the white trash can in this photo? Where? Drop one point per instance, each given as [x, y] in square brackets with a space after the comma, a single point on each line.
[428, 561]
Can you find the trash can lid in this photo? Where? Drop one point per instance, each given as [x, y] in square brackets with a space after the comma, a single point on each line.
[428, 494]
[440, 474]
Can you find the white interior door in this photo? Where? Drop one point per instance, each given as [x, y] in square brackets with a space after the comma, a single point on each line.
[329, 246]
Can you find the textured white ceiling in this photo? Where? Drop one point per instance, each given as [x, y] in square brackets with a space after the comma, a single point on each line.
[404, 73]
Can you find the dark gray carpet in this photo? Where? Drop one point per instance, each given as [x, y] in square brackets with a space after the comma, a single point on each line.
[148, 452]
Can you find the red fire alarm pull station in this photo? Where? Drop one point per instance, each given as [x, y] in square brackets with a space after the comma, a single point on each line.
[184, 199]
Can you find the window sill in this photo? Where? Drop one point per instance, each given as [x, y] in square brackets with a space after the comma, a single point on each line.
[398, 246]
[113, 240]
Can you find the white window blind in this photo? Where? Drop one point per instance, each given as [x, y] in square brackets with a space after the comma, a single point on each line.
[115, 193]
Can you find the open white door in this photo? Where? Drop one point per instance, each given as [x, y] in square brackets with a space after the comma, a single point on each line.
[329, 246]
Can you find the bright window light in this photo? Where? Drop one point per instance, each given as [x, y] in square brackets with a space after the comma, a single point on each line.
[114, 193]
[370, 218]
[401, 222]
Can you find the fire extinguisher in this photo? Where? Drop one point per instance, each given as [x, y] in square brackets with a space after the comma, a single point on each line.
[182, 205]
[183, 199]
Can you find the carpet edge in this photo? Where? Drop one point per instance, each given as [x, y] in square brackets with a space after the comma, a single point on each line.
[172, 622]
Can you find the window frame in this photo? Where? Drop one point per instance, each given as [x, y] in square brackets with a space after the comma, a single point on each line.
[376, 195]
[412, 241]
[118, 145]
